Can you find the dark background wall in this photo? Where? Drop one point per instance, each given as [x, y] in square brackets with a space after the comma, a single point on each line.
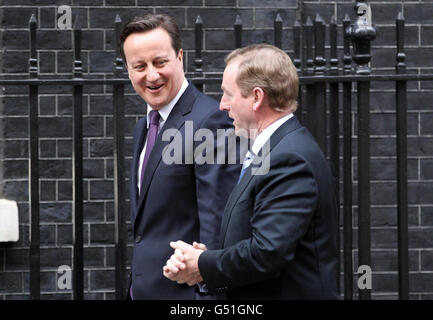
[96, 18]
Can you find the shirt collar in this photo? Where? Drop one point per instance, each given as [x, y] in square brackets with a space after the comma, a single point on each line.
[164, 112]
[266, 134]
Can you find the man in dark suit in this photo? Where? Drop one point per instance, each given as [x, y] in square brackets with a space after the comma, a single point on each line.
[279, 229]
[172, 196]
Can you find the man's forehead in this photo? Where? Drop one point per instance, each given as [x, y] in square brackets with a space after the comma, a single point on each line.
[156, 39]
[230, 70]
[229, 77]
[151, 54]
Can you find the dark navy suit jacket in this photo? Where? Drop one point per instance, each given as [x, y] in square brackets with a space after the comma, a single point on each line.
[177, 201]
[279, 230]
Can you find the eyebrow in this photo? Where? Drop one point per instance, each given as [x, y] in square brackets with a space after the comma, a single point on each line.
[226, 90]
[161, 57]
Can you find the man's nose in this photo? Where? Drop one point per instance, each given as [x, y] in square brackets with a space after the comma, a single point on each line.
[224, 106]
[152, 74]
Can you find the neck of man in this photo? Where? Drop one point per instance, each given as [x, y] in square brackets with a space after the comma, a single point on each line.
[266, 120]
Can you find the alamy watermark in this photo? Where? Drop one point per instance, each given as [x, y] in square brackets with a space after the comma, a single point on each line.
[204, 146]
[64, 17]
[64, 281]
[364, 280]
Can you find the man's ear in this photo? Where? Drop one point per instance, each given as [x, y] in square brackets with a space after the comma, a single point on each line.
[259, 97]
[180, 58]
[180, 55]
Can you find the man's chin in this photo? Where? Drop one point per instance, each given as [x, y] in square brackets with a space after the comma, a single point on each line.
[155, 104]
[241, 132]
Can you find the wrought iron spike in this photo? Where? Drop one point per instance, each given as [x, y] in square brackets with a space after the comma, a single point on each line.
[76, 24]
[318, 18]
[400, 16]
[33, 19]
[333, 20]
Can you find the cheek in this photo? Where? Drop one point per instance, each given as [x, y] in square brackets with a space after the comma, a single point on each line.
[230, 101]
[134, 79]
[130, 76]
[168, 77]
[137, 87]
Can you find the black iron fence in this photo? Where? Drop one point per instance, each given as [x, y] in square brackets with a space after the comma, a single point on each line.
[322, 84]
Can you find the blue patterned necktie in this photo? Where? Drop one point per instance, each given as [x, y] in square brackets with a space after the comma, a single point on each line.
[247, 161]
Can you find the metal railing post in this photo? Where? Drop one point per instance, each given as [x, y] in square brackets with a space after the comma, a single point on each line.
[198, 61]
[319, 108]
[309, 71]
[35, 259]
[119, 170]
[77, 168]
[278, 31]
[297, 63]
[347, 164]
[362, 34]
[334, 125]
[238, 32]
[402, 200]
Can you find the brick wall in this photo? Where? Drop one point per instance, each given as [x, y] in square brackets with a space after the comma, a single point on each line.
[97, 21]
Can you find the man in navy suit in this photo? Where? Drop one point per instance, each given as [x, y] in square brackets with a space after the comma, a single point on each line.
[172, 197]
[279, 229]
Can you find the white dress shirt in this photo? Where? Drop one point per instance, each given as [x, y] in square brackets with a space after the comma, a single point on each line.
[164, 112]
[261, 139]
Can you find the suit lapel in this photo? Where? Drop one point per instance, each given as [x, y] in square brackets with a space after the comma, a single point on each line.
[285, 129]
[174, 121]
[142, 133]
[233, 199]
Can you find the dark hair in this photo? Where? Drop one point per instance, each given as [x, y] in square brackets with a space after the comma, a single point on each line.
[149, 22]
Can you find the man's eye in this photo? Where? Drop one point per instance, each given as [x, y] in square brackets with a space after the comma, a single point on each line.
[161, 62]
[138, 67]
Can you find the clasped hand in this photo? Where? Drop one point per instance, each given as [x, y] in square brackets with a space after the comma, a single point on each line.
[182, 266]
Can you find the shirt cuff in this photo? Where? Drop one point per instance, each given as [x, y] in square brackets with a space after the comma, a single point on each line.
[202, 287]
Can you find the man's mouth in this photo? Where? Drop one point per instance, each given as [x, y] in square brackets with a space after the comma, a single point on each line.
[155, 88]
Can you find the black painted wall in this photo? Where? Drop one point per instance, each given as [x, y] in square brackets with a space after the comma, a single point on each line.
[96, 18]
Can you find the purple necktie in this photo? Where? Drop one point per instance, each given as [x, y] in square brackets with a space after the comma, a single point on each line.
[152, 133]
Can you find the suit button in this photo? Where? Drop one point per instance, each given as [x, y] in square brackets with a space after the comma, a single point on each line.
[137, 239]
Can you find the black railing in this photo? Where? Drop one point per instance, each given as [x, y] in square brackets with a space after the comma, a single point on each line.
[35, 259]
[315, 81]
[402, 220]
[77, 168]
[347, 165]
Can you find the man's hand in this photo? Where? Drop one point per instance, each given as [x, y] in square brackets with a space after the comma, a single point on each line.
[182, 266]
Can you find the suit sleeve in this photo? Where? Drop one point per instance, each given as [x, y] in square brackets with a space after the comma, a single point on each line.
[283, 206]
[215, 179]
